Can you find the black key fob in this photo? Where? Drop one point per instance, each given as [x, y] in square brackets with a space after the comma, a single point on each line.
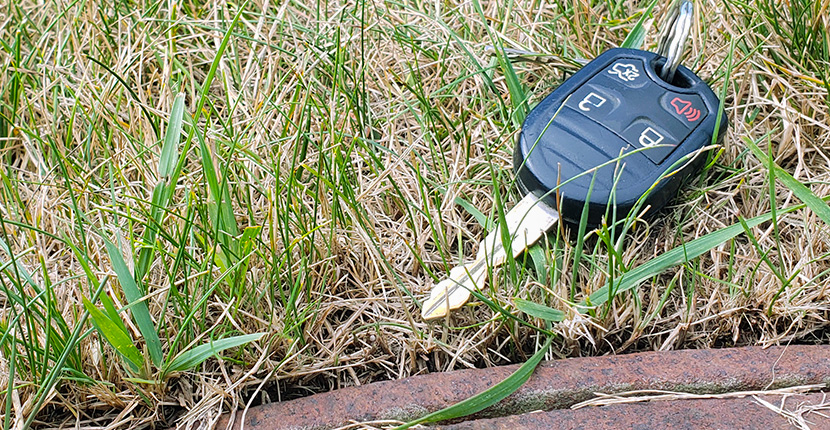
[616, 112]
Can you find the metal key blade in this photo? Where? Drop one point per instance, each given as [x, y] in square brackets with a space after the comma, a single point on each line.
[674, 35]
[453, 292]
[526, 222]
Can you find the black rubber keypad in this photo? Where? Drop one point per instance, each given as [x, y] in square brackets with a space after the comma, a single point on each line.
[650, 116]
[610, 131]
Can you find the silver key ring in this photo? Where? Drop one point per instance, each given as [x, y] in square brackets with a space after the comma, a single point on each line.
[674, 35]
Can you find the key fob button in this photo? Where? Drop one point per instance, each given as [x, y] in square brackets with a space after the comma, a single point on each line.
[597, 102]
[629, 72]
[564, 167]
[657, 142]
[601, 138]
[688, 109]
[593, 101]
[573, 154]
[566, 149]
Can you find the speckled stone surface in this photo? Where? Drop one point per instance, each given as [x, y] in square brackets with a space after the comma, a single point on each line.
[556, 385]
[732, 414]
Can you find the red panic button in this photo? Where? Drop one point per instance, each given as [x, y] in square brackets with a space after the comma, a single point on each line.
[686, 109]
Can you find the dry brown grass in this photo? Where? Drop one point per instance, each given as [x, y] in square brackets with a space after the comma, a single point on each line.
[348, 130]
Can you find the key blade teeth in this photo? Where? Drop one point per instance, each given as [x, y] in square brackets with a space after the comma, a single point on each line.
[526, 222]
[443, 298]
[438, 308]
[451, 293]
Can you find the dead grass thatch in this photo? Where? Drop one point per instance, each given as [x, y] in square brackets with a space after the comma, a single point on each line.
[349, 131]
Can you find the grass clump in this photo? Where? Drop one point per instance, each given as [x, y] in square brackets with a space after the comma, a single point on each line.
[210, 206]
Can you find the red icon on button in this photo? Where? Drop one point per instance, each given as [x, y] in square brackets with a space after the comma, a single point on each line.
[684, 107]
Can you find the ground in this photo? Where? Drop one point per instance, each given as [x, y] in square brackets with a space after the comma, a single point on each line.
[209, 205]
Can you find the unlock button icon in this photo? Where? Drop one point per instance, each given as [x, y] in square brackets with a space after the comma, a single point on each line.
[591, 101]
[597, 103]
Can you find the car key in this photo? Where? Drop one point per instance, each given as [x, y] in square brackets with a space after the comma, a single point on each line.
[611, 131]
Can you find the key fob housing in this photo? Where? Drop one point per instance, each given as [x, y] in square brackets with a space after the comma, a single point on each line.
[617, 111]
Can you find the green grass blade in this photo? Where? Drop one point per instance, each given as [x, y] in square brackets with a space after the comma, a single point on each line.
[194, 357]
[83, 261]
[112, 313]
[57, 369]
[168, 161]
[130, 90]
[539, 311]
[488, 397]
[114, 334]
[194, 309]
[18, 269]
[719, 120]
[7, 418]
[637, 35]
[514, 85]
[482, 219]
[537, 256]
[247, 245]
[139, 308]
[170, 150]
[815, 203]
[220, 208]
[204, 94]
[145, 256]
[679, 255]
[765, 258]
[580, 237]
